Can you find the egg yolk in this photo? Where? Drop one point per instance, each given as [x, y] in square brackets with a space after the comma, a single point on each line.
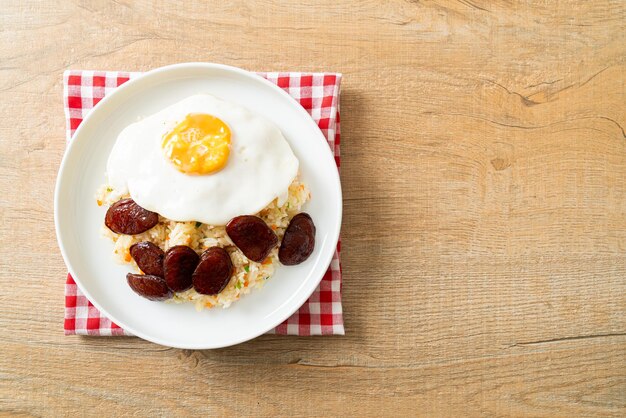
[200, 144]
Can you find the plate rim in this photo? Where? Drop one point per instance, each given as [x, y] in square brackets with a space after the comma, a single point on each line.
[71, 144]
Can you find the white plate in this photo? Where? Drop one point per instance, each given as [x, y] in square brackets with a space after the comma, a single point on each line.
[89, 256]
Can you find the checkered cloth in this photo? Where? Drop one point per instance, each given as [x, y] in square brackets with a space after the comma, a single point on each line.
[318, 93]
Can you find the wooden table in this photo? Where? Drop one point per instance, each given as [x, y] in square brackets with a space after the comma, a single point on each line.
[484, 236]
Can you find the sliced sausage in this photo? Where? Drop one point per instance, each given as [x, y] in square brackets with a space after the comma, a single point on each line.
[178, 266]
[149, 257]
[298, 241]
[127, 217]
[149, 286]
[213, 272]
[252, 236]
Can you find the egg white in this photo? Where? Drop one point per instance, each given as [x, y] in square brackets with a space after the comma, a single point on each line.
[260, 168]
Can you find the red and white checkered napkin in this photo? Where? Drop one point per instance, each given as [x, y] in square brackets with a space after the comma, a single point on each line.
[318, 93]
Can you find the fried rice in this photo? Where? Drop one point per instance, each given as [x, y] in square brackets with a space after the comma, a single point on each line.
[199, 236]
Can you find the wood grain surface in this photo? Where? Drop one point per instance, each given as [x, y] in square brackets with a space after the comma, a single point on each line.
[484, 235]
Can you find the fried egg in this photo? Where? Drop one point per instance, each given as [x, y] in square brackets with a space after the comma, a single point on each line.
[202, 159]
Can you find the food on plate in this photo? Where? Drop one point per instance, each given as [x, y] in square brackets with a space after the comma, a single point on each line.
[200, 195]
[247, 274]
[179, 264]
[162, 161]
[127, 217]
[252, 236]
[213, 271]
[149, 258]
[149, 286]
[299, 240]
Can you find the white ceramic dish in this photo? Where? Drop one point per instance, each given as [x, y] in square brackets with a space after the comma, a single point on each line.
[88, 256]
